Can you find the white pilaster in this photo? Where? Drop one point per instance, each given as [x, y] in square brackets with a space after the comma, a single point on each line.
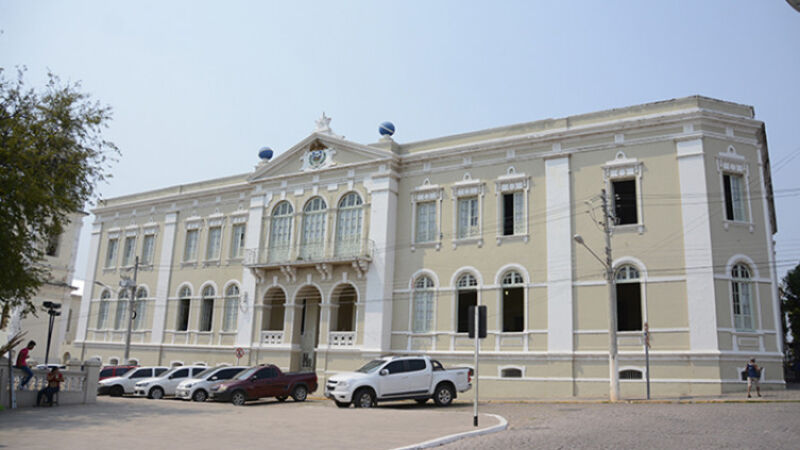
[252, 240]
[86, 301]
[66, 300]
[380, 276]
[164, 276]
[698, 260]
[559, 255]
[773, 276]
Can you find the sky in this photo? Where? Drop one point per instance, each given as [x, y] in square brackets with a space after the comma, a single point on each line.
[198, 87]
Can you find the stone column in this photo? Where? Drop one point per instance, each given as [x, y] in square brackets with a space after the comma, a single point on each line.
[164, 277]
[88, 287]
[559, 255]
[380, 276]
[244, 330]
[699, 264]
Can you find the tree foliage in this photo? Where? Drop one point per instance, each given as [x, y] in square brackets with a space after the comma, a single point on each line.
[52, 155]
[791, 308]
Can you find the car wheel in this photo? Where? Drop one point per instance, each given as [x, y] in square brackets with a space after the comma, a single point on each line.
[300, 393]
[156, 393]
[421, 401]
[281, 398]
[443, 395]
[199, 395]
[364, 398]
[342, 404]
[238, 398]
[117, 391]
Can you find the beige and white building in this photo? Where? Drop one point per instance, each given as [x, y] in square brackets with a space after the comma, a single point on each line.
[335, 252]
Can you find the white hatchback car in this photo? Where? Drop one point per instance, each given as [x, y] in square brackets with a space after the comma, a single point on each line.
[124, 384]
[197, 388]
[166, 383]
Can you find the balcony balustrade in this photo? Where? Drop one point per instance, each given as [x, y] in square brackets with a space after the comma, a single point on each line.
[286, 257]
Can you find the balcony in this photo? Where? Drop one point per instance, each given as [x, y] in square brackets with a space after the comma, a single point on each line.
[271, 337]
[342, 338]
[322, 256]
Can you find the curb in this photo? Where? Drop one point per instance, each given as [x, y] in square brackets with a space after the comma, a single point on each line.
[458, 436]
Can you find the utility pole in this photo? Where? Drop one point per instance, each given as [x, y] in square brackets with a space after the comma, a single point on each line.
[131, 284]
[613, 365]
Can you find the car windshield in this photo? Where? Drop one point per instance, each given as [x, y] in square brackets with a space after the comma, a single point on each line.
[371, 366]
[247, 373]
[170, 371]
[206, 372]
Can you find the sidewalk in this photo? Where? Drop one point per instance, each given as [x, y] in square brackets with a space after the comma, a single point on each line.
[788, 395]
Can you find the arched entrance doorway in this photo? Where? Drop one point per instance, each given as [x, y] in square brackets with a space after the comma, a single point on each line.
[273, 310]
[306, 327]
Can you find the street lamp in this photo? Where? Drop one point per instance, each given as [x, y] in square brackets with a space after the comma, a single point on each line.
[53, 310]
[613, 366]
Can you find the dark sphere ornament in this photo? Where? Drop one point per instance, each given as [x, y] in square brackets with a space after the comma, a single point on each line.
[386, 129]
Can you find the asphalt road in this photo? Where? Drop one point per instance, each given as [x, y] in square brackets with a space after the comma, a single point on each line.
[752, 425]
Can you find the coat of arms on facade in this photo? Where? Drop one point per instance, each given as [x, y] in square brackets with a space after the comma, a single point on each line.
[318, 156]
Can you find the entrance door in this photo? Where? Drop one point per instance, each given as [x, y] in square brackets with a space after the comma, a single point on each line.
[309, 335]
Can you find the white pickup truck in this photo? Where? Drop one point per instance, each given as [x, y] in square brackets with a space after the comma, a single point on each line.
[398, 378]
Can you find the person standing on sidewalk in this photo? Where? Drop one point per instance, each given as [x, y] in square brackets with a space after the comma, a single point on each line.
[22, 363]
[753, 376]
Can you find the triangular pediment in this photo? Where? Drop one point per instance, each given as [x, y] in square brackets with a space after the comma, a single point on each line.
[319, 152]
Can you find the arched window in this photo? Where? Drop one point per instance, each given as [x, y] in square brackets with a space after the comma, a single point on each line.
[348, 225]
[423, 305]
[280, 232]
[102, 310]
[511, 372]
[741, 292]
[314, 215]
[274, 308]
[630, 374]
[207, 308]
[139, 308]
[345, 314]
[184, 303]
[122, 310]
[231, 308]
[467, 293]
[629, 299]
[513, 302]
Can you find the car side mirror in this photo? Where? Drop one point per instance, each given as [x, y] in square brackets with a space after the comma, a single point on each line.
[214, 378]
[384, 372]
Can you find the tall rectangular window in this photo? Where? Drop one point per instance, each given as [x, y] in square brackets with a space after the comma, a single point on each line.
[206, 314]
[190, 251]
[734, 197]
[148, 249]
[426, 222]
[468, 217]
[212, 248]
[129, 251]
[513, 210]
[624, 202]
[237, 241]
[111, 253]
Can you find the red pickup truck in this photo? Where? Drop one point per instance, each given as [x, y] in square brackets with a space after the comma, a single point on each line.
[265, 380]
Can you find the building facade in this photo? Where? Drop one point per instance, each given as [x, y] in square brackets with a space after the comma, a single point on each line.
[60, 253]
[336, 252]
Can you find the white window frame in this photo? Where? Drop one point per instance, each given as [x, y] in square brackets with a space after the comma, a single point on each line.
[149, 252]
[102, 309]
[427, 193]
[314, 225]
[423, 308]
[112, 257]
[349, 218]
[622, 275]
[129, 259]
[140, 307]
[121, 313]
[622, 168]
[181, 291]
[230, 315]
[203, 298]
[194, 225]
[731, 163]
[745, 284]
[511, 183]
[468, 189]
[280, 250]
[520, 284]
[238, 239]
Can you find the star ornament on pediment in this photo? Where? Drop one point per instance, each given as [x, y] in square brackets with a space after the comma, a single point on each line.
[324, 126]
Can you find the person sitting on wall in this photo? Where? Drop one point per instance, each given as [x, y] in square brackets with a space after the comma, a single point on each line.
[22, 363]
[54, 379]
